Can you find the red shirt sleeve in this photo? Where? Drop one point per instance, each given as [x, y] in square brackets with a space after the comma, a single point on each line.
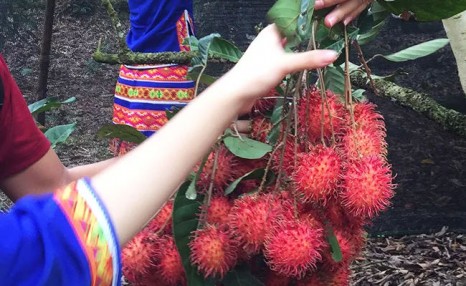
[21, 142]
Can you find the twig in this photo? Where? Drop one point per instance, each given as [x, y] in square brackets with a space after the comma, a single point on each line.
[363, 61]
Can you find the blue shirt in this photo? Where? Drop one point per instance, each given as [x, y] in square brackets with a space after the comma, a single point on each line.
[154, 24]
[46, 241]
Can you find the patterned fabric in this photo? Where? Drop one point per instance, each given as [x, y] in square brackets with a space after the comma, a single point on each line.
[94, 231]
[144, 93]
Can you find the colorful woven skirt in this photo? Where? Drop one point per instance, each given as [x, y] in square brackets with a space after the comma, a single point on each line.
[143, 94]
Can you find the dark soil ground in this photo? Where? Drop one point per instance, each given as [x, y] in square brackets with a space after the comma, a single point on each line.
[429, 163]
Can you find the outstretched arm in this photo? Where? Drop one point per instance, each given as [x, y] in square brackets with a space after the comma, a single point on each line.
[145, 178]
[46, 175]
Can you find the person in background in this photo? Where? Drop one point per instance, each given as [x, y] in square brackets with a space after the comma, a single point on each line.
[143, 93]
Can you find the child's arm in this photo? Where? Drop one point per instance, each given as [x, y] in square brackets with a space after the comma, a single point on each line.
[138, 184]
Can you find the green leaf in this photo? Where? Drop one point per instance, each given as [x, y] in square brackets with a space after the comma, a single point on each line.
[358, 94]
[194, 73]
[121, 131]
[204, 47]
[48, 104]
[193, 43]
[371, 23]
[253, 175]
[185, 221]
[285, 14]
[241, 276]
[334, 245]
[246, 148]
[417, 51]
[334, 38]
[334, 78]
[276, 119]
[426, 10]
[305, 18]
[224, 49]
[59, 134]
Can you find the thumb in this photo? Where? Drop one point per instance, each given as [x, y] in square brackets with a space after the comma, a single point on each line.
[309, 60]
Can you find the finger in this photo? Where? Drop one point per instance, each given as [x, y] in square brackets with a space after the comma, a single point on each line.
[354, 14]
[341, 12]
[308, 60]
[320, 4]
[243, 126]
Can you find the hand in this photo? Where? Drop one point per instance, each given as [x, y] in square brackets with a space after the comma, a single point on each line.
[346, 10]
[265, 63]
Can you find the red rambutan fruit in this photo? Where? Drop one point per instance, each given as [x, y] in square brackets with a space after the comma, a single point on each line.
[312, 220]
[346, 248]
[253, 216]
[365, 115]
[163, 219]
[288, 162]
[317, 175]
[274, 279]
[260, 128]
[167, 262]
[367, 187]
[136, 258]
[293, 248]
[266, 103]
[226, 170]
[320, 123]
[326, 277]
[363, 141]
[337, 277]
[218, 210]
[213, 251]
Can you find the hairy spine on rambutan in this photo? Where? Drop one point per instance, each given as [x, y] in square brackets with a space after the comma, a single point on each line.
[252, 217]
[225, 172]
[260, 128]
[266, 103]
[365, 115]
[367, 187]
[337, 277]
[327, 277]
[293, 248]
[318, 173]
[320, 118]
[274, 279]
[167, 262]
[346, 247]
[163, 219]
[213, 251]
[136, 258]
[283, 159]
[218, 210]
[363, 141]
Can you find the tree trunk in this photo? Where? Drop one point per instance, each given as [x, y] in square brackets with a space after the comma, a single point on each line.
[456, 32]
[45, 55]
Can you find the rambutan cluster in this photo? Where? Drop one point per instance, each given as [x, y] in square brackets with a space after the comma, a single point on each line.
[331, 178]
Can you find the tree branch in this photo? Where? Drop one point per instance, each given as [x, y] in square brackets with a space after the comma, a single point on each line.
[450, 119]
